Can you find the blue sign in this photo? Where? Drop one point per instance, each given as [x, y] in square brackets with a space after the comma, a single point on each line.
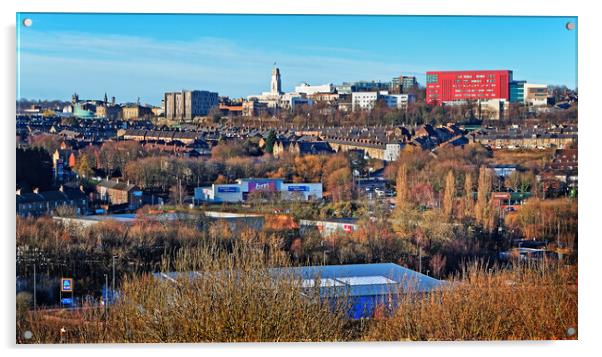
[67, 285]
[226, 189]
[298, 188]
[67, 301]
[137, 193]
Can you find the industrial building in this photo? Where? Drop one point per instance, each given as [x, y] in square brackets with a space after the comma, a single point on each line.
[365, 290]
[240, 191]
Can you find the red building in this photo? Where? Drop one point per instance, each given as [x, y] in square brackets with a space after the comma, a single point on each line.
[450, 86]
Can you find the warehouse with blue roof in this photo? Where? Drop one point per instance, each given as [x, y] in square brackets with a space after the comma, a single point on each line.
[361, 287]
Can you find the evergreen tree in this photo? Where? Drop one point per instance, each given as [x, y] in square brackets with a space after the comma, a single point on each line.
[270, 141]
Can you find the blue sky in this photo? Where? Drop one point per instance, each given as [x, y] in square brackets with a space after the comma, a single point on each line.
[131, 56]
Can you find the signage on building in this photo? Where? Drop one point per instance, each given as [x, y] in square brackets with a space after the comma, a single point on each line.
[137, 193]
[501, 196]
[67, 301]
[298, 188]
[227, 189]
[262, 186]
[67, 285]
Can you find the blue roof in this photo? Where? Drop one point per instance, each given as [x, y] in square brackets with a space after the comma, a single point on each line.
[364, 279]
[355, 279]
[363, 286]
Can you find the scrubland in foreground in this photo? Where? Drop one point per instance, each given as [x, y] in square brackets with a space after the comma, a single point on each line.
[236, 300]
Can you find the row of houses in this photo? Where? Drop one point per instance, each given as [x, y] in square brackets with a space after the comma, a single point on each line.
[113, 194]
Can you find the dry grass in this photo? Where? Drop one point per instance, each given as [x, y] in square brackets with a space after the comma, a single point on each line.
[520, 303]
[237, 300]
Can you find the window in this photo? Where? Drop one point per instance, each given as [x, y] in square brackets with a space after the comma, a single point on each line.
[432, 78]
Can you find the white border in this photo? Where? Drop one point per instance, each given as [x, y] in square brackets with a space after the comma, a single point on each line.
[589, 60]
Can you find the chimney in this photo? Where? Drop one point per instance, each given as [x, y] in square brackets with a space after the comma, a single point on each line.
[35, 190]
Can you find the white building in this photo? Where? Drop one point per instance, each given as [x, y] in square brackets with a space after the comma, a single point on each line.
[401, 101]
[392, 151]
[364, 100]
[536, 94]
[367, 100]
[240, 191]
[307, 89]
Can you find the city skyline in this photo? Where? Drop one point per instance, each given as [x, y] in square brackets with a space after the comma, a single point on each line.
[131, 56]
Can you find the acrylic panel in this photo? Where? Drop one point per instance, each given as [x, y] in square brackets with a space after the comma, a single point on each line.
[295, 178]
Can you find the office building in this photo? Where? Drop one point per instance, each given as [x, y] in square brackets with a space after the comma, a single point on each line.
[535, 94]
[367, 100]
[403, 84]
[307, 89]
[186, 105]
[445, 87]
[517, 91]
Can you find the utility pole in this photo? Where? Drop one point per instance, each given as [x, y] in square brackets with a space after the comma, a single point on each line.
[34, 287]
[106, 294]
[113, 282]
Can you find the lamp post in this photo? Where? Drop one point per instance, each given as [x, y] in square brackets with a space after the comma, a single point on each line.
[113, 281]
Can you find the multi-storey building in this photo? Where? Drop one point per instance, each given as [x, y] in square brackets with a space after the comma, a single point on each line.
[403, 84]
[362, 86]
[367, 100]
[460, 86]
[188, 104]
[535, 94]
[135, 111]
[517, 91]
[307, 89]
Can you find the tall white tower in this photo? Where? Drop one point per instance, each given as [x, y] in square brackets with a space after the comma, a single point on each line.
[276, 87]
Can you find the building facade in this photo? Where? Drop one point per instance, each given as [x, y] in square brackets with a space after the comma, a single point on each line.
[249, 187]
[535, 94]
[136, 111]
[186, 105]
[403, 84]
[517, 92]
[367, 100]
[307, 89]
[455, 86]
